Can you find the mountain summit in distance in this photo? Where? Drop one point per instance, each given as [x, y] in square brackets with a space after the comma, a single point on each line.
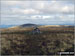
[29, 25]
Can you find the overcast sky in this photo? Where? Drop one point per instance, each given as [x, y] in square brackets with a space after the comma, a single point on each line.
[38, 12]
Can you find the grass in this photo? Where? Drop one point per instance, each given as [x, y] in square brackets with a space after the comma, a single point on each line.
[50, 41]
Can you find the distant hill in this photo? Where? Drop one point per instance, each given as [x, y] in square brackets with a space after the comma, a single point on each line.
[59, 26]
[25, 26]
[6, 26]
[40, 26]
[28, 25]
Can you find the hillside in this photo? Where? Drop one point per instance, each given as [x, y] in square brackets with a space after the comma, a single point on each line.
[29, 25]
[51, 41]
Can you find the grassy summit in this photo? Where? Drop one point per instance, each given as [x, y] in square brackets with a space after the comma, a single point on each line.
[52, 40]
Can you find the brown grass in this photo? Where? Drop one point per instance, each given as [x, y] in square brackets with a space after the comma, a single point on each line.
[50, 41]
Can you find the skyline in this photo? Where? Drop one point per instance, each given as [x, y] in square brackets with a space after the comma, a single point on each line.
[37, 12]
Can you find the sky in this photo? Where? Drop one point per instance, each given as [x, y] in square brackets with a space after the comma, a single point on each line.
[50, 12]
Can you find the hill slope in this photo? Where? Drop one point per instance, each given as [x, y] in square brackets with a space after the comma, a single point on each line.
[29, 25]
[50, 41]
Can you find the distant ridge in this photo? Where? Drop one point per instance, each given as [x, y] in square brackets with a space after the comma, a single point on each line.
[25, 26]
[6, 26]
[29, 25]
[43, 26]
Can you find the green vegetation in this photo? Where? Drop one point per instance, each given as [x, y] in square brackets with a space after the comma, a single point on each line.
[49, 42]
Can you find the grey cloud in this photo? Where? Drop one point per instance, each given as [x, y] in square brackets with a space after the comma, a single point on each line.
[21, 11]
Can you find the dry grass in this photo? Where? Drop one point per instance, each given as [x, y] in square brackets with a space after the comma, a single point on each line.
[50, 41]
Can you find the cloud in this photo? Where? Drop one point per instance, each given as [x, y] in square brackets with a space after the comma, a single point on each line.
[36, 11]
[46, 7]
[36, 17]
[47, 17]
[31, 11]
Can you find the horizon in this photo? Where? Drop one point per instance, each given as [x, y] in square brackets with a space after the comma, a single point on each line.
[8, 26]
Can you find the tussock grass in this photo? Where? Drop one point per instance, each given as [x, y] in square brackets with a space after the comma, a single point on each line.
[49, 42]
